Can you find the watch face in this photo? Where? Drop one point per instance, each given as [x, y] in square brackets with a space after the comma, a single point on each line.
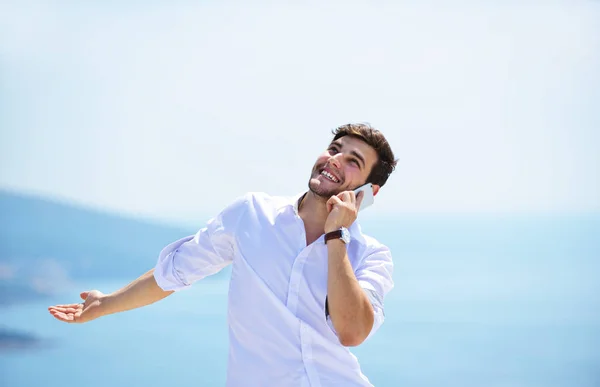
[345, 235]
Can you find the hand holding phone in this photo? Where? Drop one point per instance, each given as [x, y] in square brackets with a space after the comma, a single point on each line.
[368, 197]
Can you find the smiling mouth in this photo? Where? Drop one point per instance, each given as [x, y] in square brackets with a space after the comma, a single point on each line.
[329, 176]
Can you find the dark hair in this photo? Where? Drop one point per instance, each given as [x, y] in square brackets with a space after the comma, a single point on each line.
[386, 163]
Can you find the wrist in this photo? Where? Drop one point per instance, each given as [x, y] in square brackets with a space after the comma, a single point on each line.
[105, 303]
[341, 234]
[335, 243]
[334, 227]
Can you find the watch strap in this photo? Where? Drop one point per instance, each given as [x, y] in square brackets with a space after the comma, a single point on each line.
[337, 234]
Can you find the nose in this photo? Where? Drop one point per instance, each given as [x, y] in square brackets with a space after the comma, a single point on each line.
[335, 161]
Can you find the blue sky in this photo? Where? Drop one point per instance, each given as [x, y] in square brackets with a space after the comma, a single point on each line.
[173, 110]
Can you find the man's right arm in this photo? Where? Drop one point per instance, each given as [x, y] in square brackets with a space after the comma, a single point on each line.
[180, 264]
[141, 292]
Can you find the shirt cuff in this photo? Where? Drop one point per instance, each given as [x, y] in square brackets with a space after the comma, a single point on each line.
[166, 275]
[377, 303]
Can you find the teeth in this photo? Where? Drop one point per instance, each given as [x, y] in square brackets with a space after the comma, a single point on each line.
[329, 176]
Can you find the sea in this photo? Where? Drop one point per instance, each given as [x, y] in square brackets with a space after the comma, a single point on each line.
[476, 303]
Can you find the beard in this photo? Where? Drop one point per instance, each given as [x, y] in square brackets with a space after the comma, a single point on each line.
[323, 192]
[321, 187]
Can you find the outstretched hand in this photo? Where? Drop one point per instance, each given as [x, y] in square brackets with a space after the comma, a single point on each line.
[86, 311]
[343, 210]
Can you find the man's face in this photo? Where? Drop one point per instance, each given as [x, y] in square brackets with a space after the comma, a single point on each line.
[344, 166]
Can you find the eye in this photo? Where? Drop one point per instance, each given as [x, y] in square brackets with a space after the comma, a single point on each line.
[333, 150]
[355, 161]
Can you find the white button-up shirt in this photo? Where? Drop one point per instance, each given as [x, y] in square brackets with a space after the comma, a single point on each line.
[278, 329]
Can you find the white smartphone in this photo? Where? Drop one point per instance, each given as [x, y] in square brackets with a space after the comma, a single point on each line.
[368, 197]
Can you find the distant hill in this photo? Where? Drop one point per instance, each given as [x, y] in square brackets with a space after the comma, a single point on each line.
[44, 244]
[11, 339]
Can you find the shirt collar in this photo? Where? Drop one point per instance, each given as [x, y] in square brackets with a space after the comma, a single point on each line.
[296, 201]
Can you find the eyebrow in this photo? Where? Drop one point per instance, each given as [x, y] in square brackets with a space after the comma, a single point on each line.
[352, 152]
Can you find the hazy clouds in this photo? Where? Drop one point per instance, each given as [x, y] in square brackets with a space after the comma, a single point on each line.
[174, 110]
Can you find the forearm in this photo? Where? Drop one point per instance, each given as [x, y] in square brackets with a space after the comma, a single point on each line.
[350, 310]
[141, 292]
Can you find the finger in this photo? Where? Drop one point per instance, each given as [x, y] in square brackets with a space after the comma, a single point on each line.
[67, 310]
[335, 199]
[352, 197]
[345, 196]
[84, 295]
[66, 305]
[56, 312]
[63, 317]
[332, 202]
[70, 306]
[359, 199]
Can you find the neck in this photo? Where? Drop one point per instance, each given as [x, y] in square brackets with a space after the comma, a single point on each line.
[313, 212]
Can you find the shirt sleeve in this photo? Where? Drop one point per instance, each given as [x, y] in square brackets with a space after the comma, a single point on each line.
[374, 276]
[190, 259]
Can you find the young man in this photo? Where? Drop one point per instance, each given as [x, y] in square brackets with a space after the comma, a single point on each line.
[306, 283]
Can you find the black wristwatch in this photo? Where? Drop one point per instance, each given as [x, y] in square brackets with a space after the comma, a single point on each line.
[341, 233]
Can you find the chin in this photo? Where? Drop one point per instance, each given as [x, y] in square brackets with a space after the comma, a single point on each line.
[313, 186]
[316, 187]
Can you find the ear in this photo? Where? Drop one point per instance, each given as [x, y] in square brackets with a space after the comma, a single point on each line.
[375, 189]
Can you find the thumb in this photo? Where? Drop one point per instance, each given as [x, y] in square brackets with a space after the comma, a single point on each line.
[84, 295]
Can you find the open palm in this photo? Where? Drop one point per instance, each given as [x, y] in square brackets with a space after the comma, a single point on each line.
[86, 311]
